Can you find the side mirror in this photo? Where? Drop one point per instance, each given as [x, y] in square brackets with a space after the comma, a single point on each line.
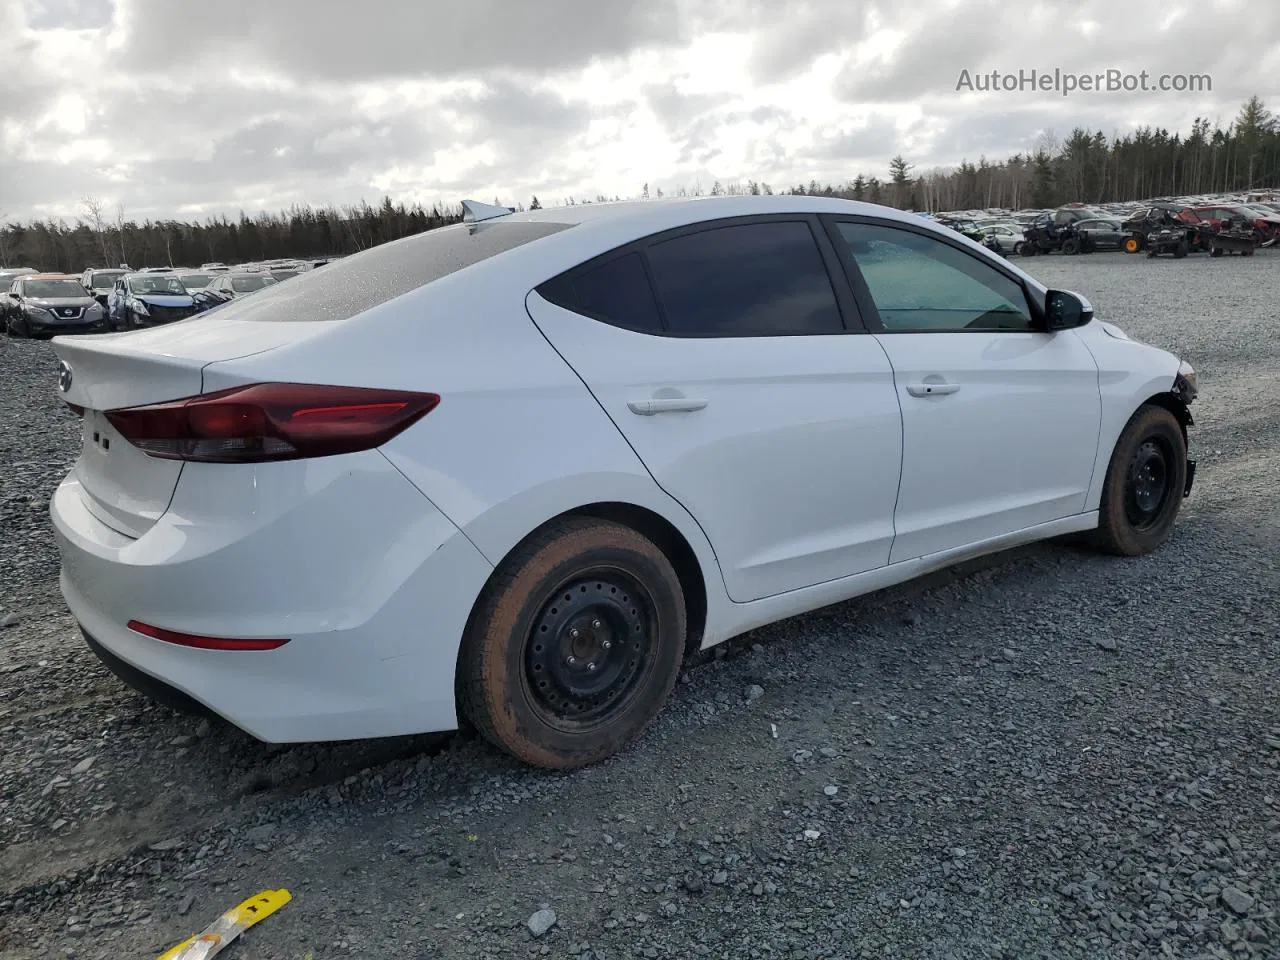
[1065, 310]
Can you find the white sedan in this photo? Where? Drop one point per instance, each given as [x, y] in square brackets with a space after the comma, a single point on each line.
[516, 469]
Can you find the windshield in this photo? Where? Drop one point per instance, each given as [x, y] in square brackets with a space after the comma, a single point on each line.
[53, 289]
[158, 284]
[250, 284]
[195, 281]
[284, 274]
[103, 279]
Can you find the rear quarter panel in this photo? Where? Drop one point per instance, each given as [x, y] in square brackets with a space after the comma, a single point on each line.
[516, 440]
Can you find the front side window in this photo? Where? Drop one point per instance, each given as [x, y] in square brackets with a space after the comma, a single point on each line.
[920, 284]
[745, 280]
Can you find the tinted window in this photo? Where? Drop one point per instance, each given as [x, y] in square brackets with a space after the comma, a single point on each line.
[363, 280]
[919, 283]
[748, 280]
[618, 292]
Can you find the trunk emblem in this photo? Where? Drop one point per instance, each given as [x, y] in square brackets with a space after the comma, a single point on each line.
[64, 376]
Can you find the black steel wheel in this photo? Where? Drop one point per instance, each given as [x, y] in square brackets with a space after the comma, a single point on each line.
[1144, 484]
[588, 646]
[574, 645]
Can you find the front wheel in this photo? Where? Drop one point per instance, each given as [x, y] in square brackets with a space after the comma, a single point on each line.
[1215, 251]
[1180, 250]
[574, 645]
[1070, 247]
[17, 328]
[1144, 485]
[1132, 245]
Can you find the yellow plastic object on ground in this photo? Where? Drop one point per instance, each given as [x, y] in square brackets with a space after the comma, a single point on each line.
[227, 927]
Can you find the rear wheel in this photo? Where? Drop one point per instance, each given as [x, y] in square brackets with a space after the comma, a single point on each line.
[1144, 484]
[1132, 244]
[1181, 249]
[1215, 252]
[575, 644]
[1070, 247]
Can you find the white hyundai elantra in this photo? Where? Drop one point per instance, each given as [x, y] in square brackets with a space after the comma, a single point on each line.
[516, 469]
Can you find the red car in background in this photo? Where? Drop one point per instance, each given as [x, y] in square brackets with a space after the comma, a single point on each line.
[1265, 224]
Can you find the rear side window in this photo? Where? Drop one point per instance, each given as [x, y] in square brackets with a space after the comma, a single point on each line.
[618, 292]
[364, 280]
[745, 280]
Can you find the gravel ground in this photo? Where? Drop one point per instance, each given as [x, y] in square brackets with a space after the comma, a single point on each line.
[1044, 754]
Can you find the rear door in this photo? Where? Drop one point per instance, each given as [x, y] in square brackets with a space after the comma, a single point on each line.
[746, 385]
[1000, 419]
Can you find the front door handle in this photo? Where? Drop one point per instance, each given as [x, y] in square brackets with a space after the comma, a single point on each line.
[647, 408]
[931, 389]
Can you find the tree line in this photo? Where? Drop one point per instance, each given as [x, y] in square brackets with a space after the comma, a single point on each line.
[1084, 166]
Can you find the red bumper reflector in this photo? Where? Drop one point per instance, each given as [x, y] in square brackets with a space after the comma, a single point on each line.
[202, 643]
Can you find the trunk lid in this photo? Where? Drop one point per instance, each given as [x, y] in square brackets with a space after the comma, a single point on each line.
[122, 486]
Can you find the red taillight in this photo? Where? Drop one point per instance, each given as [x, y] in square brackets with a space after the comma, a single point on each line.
[271, 421]
[202, 643]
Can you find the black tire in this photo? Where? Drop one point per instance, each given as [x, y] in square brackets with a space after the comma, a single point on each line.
[1152, 251]
[1019, 249]
[1070, 247]
[1144, 484]
[582, 585]
[1215, 252]
[1030, 248]
[1180, 250]
[1247, 252]
[17, 328]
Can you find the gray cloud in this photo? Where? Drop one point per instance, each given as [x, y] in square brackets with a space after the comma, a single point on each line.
[326, 101]
[386, 38]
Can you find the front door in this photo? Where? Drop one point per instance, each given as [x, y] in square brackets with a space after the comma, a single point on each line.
[1000, 420]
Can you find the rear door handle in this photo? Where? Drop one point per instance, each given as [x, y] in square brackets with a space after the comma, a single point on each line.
[929, 389]
[647, 408]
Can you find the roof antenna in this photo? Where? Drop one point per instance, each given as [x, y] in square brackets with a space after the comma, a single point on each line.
[473, 211]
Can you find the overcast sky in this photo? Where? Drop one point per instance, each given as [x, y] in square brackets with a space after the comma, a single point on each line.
[190, 107]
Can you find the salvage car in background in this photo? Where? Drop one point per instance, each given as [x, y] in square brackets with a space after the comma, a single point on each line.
[332, 510]
[195, 281]
[45, 305]
[99, 281]
[148, 299]
[240, 284]
[1104, 233]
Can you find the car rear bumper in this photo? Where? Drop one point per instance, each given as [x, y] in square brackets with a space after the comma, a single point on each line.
[371, 585]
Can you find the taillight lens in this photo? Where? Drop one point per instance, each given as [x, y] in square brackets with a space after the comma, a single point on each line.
[271, 421]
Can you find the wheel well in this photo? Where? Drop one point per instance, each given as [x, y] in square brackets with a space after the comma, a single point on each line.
[671, 542]
[667, 538]
[1174, 404]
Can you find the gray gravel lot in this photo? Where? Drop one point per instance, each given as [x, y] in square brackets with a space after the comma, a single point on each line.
[1044, 754]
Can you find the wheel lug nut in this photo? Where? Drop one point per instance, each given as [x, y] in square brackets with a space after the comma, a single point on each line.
[591, 666]
[596, 624]
[574, 633]
[571, 661]
[607, 644]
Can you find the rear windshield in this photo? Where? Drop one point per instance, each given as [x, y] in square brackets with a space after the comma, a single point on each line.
[250, 284]
[363, 280]
[105, 278]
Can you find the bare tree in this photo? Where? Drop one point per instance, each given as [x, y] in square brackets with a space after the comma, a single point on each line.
[124, 258]
[96, 217]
